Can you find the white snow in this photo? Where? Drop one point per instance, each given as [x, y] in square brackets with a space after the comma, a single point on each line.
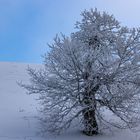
[18, 111]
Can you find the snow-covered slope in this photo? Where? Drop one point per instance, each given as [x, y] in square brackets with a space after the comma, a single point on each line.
[18, 111]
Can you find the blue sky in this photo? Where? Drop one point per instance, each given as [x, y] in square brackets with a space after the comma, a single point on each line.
[26, 26]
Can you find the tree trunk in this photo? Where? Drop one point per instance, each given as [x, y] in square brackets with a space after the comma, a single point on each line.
[90, 123]
[89, 102]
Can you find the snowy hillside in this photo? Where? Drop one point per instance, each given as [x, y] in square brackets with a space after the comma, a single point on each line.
[18, 111]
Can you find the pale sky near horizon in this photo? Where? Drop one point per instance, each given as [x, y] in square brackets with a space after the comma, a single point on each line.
[28, 25]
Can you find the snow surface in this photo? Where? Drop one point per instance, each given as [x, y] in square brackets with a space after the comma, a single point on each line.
[18, 111]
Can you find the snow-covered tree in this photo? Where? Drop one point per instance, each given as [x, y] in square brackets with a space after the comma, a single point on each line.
[93, 72]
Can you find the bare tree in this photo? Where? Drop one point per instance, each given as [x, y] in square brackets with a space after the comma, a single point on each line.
[97, 68]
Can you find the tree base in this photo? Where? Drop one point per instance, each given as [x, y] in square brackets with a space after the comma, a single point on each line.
[90, 133]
